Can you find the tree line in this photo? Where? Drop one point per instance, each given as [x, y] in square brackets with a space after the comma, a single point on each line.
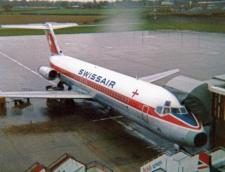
[7, 5]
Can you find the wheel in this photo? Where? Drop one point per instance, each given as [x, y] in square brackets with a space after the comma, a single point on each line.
[60, 86]
[49, 87]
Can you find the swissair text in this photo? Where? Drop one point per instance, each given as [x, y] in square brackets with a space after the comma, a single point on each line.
[97, 78]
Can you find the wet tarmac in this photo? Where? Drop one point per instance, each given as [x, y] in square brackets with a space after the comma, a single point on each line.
[37, 133]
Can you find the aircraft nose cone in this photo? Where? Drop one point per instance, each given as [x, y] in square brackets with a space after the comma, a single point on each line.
[200, 139]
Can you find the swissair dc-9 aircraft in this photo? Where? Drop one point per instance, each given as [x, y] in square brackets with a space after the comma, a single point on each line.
[149, 105]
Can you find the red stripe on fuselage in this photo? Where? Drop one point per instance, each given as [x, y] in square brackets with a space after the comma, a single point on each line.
[129, 101]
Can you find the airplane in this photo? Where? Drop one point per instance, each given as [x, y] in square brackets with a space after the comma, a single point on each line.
[138, 99]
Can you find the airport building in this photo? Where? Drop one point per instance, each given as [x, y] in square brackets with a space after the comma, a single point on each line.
[67, 163]
[217, 87]
[183, 162]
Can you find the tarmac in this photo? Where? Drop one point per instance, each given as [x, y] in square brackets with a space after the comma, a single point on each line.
[37, 133]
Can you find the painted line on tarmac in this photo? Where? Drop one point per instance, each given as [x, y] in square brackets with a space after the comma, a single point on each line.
[135, 132]
[107, 118]
[23, 66]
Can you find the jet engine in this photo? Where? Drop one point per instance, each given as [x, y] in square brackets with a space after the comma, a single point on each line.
[48, 73]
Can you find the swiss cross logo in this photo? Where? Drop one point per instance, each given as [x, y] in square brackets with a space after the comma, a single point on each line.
[135, 93]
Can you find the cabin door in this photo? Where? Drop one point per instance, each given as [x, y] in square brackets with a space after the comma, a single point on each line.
[145, 110]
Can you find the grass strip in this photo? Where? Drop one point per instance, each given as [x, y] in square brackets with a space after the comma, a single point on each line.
[146, 26]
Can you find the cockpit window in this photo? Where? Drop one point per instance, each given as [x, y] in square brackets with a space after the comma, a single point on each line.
[175, 111]
[166, 110]
[159, 109]
[178, 111]
[163, 110]
[183, 110]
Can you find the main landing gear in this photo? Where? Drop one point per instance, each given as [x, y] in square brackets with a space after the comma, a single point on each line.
[21, 103]
[61, 105]
[59, 87]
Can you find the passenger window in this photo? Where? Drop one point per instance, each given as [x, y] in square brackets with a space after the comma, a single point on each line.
[159, 109]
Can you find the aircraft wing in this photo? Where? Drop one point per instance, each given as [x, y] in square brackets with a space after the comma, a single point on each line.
[38, 26]
[45, 95]
[158, 76]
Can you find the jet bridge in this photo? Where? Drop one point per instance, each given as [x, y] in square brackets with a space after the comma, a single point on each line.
[205, 99]
[194, 94]
[217, 87]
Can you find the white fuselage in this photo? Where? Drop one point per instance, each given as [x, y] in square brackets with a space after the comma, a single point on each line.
[136, 99]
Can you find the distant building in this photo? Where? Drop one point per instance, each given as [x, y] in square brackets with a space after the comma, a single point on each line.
[167, 3]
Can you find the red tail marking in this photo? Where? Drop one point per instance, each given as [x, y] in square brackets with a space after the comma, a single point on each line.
[52, 44]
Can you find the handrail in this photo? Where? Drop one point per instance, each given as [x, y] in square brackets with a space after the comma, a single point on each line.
[61, 159]
[98, 165]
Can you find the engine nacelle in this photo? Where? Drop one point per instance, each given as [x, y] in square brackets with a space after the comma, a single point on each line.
[48, 73]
